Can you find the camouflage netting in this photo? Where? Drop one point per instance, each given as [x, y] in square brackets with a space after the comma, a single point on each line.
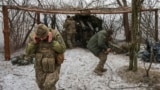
[86, 26]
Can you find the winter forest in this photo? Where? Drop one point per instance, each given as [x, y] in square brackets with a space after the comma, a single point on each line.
[133, 63]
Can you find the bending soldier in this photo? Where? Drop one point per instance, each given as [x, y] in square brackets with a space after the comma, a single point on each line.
[99, 46]
[48, 47]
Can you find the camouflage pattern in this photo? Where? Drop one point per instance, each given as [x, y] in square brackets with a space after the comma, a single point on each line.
[41, 33]
[102, 60]
[60, 45]
[22, 60]
[98, 42]
[70, 29]
[41, 30]
[46, 68]
[57, 43]
[70, 40]
[30, 48]
[98, 45]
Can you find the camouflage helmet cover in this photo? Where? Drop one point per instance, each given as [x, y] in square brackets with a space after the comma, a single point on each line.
[41, 30]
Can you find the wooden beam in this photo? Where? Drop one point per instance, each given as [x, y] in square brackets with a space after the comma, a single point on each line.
[77, 11]
[62, 11]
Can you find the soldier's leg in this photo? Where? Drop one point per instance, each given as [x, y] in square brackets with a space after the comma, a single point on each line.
[73, 39]
[69, 40]
[102, 60]
[52, 78]
[40, 75]
[40, 78]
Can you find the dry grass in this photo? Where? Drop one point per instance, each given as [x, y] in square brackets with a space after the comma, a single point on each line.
[139, 76]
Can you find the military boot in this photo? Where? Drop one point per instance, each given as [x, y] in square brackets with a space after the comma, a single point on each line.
[103, 69]
[98, 72]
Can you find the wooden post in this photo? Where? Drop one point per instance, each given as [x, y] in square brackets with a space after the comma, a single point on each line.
[6, 33]
[38, 18]
[126, 27]
[156, 25]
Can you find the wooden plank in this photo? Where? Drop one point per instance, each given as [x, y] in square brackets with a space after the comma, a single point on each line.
[77, 11]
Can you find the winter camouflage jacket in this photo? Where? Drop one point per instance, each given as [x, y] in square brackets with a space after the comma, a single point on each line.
[58, 43]
[70, 25]
[98, 42]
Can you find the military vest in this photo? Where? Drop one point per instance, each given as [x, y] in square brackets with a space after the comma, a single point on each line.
[45, 57]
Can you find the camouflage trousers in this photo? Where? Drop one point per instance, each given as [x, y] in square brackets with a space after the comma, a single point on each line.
[102, 60]
[71, 40]
[47, 73]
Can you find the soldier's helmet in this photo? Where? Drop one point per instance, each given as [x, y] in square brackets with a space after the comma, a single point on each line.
[41, 30]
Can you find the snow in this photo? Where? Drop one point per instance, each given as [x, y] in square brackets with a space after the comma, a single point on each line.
[76, 73]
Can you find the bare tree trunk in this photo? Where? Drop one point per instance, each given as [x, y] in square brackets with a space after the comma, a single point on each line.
[126, 24]
[125, 21]
[134, 35]
[45, 20]
[53, 21]
[126, 27]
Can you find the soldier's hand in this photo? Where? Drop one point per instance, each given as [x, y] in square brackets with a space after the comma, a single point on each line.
[34, 38]
[108, 50]
[50, 36]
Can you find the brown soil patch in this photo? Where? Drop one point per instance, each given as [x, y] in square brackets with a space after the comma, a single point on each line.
[139, 76]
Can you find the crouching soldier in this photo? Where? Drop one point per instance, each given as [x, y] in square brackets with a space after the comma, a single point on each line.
[99, 46]
[48, 47]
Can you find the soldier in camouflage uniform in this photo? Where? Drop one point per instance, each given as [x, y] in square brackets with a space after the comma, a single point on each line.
[48, 47]
[70, 29]
[99, 46]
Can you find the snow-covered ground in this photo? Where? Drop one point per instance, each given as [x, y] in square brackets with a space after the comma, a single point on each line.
[76, 73]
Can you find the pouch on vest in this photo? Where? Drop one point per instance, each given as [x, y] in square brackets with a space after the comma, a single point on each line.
[58, 47]
[48, 65]
[38, 61]
[59, 58]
